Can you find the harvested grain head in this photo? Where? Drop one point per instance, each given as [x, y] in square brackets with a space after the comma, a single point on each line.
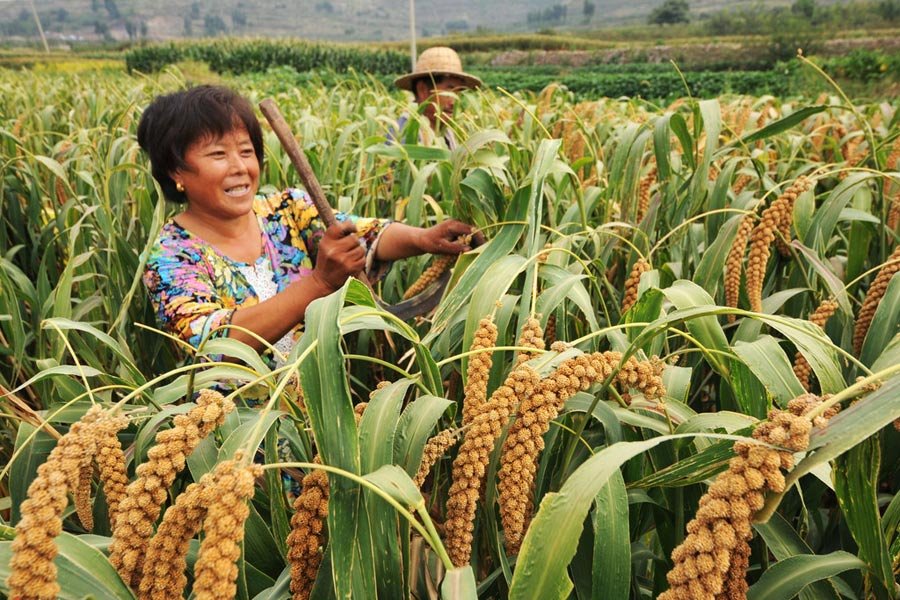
[471, 462]
[306, 542]
[479, 368]
[873, 298]
[32, 572]
[641, 266]
[215, 572]
[144, 497]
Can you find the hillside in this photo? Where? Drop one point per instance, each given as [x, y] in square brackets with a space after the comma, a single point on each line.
[345, 20]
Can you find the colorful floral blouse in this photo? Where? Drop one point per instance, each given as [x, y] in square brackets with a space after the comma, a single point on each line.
[195, 289]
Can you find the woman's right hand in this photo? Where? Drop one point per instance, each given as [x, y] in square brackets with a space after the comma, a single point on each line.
[339, 256]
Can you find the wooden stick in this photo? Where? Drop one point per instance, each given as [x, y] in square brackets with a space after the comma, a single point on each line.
[298, 158]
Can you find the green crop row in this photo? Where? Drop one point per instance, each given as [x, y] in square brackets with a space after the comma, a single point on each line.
[234, 56]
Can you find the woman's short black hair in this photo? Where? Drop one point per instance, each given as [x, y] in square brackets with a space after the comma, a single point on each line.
[174, 121]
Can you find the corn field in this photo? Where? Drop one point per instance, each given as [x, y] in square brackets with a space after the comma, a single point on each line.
[672, 371]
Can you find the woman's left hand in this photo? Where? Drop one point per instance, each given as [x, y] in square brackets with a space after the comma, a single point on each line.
[443, 238]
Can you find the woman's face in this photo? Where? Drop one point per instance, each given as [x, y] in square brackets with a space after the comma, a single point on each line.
[222, 175]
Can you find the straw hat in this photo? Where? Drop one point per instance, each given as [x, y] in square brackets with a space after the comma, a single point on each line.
[438, 60]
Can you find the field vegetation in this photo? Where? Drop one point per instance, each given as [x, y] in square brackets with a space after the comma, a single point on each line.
[671, 372]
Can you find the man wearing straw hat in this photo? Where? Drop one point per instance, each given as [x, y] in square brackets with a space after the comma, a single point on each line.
[436, 80]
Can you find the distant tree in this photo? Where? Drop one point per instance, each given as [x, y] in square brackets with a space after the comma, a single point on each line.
[589, 8]
[238, 18]
[101, 28]
[188, 26]
[95, 5]
[195, 10]
[670, 12]
[112, 9]
[325, 7]
[804, 8]
[142, 28]
[130, 29]
[213, 25]
[889, 10]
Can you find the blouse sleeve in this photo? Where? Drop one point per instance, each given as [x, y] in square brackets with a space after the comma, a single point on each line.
[310, 229]
[183, 293]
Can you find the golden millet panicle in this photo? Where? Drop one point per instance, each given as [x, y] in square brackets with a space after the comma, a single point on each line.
[873, 297]
[532, 336]
[215, 572]
[894, 213]
[435, 448]
[80, 482]
[713, 559]
[479, 368]
[471, 461]
[550, 331]
[436, 269]
[166, 561]
[644, 376]
[647, 182]
[773, 220]
[144, 497]
[740, 183]
[640, 267]
[819, 317]
[734, 262]
[306, 542]
[111, 462]
[32, 572]
[524, 443]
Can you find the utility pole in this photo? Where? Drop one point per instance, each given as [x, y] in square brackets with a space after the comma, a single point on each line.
[37, 21]
[412, 33]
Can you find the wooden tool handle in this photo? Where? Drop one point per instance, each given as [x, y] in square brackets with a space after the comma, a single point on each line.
[298, 158]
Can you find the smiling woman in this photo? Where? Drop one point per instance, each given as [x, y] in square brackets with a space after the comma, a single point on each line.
[232, 257]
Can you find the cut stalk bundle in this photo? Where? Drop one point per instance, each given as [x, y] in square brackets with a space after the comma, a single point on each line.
[712, 561]
[873, 298]
[819, 317]
[776, 218]
[144, 497]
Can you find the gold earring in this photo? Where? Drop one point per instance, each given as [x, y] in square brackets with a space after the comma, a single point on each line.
[178, 186]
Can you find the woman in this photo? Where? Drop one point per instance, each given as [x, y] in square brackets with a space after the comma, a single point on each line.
[232, 257]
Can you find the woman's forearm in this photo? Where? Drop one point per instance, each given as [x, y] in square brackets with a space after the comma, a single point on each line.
[279, 314]
[399, 241]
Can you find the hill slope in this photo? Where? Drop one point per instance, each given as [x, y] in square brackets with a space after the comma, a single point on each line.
[345, 20]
